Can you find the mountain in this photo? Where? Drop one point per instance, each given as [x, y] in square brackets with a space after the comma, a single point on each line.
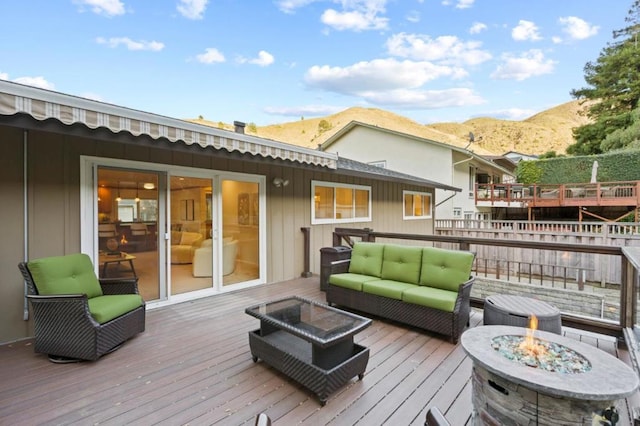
[550, 130]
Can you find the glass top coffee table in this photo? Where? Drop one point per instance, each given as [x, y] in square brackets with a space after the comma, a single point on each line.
[310, 342]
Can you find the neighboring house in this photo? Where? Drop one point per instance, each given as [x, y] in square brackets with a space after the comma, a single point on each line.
[425, 158]
[516, 157]
[196, 210]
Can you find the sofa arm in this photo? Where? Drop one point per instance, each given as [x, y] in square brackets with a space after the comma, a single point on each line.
[53, 311]
[111, 286]
[339, 266]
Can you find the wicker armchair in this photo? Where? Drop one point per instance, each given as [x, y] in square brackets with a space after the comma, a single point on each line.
[76, 315]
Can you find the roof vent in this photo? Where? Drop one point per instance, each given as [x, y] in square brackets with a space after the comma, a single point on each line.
[239, 127]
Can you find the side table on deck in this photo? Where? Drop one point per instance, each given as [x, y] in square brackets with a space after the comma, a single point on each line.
[502, 309]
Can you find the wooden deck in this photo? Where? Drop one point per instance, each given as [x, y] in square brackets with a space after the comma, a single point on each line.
[192, 365]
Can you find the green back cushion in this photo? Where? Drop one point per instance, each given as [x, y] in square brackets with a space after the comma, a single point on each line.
[445, 269]
[401, 263]
[366, 259]
[70, 274]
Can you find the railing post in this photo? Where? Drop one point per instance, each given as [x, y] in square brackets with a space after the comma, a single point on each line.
[306, 273]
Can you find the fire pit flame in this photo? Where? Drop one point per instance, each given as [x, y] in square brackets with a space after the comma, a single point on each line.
[529, 345]
[536, 353]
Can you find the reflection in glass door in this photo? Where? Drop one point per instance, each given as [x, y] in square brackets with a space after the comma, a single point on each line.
[240, 231]
[191, 250]
[128, 227]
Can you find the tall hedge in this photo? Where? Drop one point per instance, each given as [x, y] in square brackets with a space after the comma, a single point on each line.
[612, 167]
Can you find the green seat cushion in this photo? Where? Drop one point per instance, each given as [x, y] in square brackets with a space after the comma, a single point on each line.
[401, 263]
[105, 308]
[350, 281]
[443, 300]
[366, 259]
[445, 269]
[386, 288]
[69, 274]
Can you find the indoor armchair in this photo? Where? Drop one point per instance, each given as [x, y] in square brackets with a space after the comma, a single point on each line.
[75, 314]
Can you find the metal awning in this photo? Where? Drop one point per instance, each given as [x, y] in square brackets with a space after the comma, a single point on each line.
[44, 104]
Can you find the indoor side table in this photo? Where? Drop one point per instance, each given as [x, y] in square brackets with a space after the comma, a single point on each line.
[309, 342]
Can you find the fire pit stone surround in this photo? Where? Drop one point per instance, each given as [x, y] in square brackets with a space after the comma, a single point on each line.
[508, 392]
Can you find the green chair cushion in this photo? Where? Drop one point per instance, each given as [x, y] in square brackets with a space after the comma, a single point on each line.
[350, 281]
[386, 288]
[445, 269]
[436, 298]
[105, 308]
[69, 274]
[401, 263]
[366, 259]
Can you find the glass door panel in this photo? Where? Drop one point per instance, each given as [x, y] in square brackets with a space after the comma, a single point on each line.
[240, 231]
[128, 227]
[191, 247]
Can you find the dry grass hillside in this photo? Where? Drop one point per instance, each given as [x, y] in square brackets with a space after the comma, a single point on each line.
[545, 131]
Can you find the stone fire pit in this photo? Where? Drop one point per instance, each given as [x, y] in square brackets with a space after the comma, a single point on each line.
[509, 392]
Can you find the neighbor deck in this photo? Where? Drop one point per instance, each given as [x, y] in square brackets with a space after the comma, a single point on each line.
[192, 365]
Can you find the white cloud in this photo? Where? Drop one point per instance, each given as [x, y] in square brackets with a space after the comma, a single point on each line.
[424, 99]
[39, 81]
[460, 4]
[4, 76]
[516, 114]
[464, 4]
[529, 64]
[289, 6]
[192, 9]
[304, 110]
[264, 59]
[210, 56]
[379, 74]
[556, 39]
[477, 27]
[154, 46]
[413, 16]
[353, 20]
[577, 29]
[445, 49]
[103, 7]
[525, 30]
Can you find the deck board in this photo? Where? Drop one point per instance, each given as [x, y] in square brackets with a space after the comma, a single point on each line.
[193, 366]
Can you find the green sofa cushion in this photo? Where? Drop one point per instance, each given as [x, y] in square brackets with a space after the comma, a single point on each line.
[386, 288]
[105, 308]
[401, 263]
[70, 274]
[350, 281]
[436, 298]
[445, 269]
[366, 259]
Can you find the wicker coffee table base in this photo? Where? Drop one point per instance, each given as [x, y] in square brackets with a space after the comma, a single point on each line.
[293, 357]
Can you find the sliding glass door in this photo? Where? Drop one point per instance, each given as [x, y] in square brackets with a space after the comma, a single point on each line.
[183, 232]
[127, 226]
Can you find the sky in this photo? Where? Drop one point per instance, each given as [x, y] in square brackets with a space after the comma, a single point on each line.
[275, 61]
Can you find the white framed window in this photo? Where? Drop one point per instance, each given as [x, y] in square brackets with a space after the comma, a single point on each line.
[417, 205]
[340, 203]
[457, 212]
[382, 164]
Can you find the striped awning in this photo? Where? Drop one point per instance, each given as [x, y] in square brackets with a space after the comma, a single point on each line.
[45, 104]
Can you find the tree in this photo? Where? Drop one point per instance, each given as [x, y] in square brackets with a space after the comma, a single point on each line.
[613, 85]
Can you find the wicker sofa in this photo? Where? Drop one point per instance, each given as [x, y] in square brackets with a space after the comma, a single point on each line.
[425, 287]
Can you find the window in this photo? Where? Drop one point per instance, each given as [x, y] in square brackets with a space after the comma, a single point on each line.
[457, 212]
[417, 205]
[381, 163]
[336, 202]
